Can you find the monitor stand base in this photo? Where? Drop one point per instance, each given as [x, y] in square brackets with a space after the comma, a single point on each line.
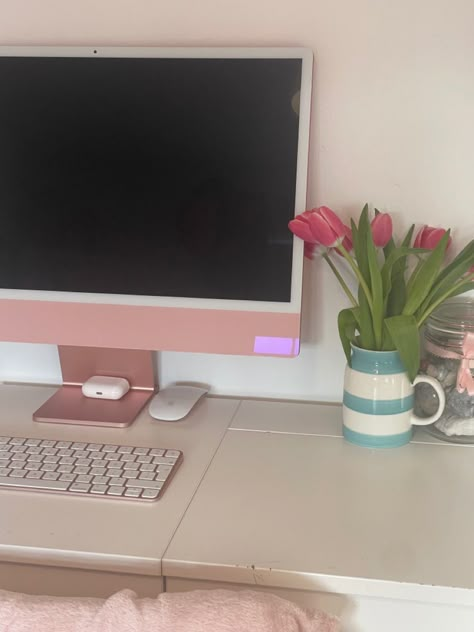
[69, 406]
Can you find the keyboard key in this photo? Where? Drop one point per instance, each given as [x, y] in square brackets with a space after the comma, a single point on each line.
[161, 476]
[94, 447]
[52, 459]
[32, 466]
[62, 444]
[67, 477]
[114, 465]
[47, 444]
[164, 460]
[81, 469]
[84, 478]
[132, 474]
[144, 459]
[125, 449]
[34, 484]
[131, 466]
[115, 491]
[150, 493]
[79, 487]
[149, 484]
[33, 450]
[85, 462]
[98, 471]
[48, 467]
[81, 454]
[32, 442]
[147, 476]
[118, 481]
[19, 457]
[33, 474]
[18, 448]
[133, 492]
[51, 476]
[101, 480]
[65, 469]
[156, 452]
[65, 452]
[67, 460]
[98, 489]
[147, 467]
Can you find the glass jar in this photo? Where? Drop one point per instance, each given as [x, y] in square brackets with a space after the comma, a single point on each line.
[448, 356]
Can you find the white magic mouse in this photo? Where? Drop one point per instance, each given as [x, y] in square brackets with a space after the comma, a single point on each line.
[175, 402]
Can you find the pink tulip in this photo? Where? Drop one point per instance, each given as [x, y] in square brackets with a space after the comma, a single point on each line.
[428, 237]
[320, 225]
[381, 229]
[300, 226]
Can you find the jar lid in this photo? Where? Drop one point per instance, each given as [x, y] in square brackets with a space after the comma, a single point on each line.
[454, 316]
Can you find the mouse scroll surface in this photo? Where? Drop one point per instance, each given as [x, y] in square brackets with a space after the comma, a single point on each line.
[175, 402]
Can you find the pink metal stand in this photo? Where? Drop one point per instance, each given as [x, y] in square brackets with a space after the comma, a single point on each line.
[69, 406]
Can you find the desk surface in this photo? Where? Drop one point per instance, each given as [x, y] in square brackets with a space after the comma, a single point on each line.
[309, 511]
[279, 499]
[57, 530]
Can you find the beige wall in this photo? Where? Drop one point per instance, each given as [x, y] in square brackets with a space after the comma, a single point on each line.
[393, 125]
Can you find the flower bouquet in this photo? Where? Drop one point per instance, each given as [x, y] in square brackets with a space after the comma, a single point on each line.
[399, 283]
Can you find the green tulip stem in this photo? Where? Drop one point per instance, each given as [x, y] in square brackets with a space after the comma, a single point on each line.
[359, 276]
[341, 280]
[442, 298]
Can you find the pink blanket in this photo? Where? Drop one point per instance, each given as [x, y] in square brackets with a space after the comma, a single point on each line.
[194, 611]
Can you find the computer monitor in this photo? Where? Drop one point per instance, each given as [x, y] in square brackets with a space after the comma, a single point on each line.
[145, 195]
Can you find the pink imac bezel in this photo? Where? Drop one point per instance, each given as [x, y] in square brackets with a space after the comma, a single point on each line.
[106, 321]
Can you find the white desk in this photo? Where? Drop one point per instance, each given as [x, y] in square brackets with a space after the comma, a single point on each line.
[382, 538]
[99, 545]
[284, 504]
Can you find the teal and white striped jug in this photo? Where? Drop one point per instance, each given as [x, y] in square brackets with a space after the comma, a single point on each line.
[379, 398]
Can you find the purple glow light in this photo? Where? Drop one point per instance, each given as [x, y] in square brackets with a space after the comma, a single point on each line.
[296, 348]
[273, 345]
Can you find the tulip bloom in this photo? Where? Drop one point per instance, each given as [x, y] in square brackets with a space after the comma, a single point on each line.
[319, 226]
[382, 229]
[428, 237]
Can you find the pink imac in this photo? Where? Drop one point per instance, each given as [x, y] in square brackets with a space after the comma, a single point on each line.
[145, 195]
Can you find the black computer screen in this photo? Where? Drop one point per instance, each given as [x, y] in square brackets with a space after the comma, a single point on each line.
[148, 176]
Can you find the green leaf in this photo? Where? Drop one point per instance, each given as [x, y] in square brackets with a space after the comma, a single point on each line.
[348, 322]
[359, 239]
[377, 290]
[394, 257]
[397, 294]
[450, 275]
[404, 333]
[360, 245]
[425, 277]
[366, 329]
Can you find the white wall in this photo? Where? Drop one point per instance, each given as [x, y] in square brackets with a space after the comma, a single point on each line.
[393, 124]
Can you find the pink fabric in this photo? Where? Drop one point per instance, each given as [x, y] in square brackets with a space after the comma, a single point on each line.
[194, 611]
